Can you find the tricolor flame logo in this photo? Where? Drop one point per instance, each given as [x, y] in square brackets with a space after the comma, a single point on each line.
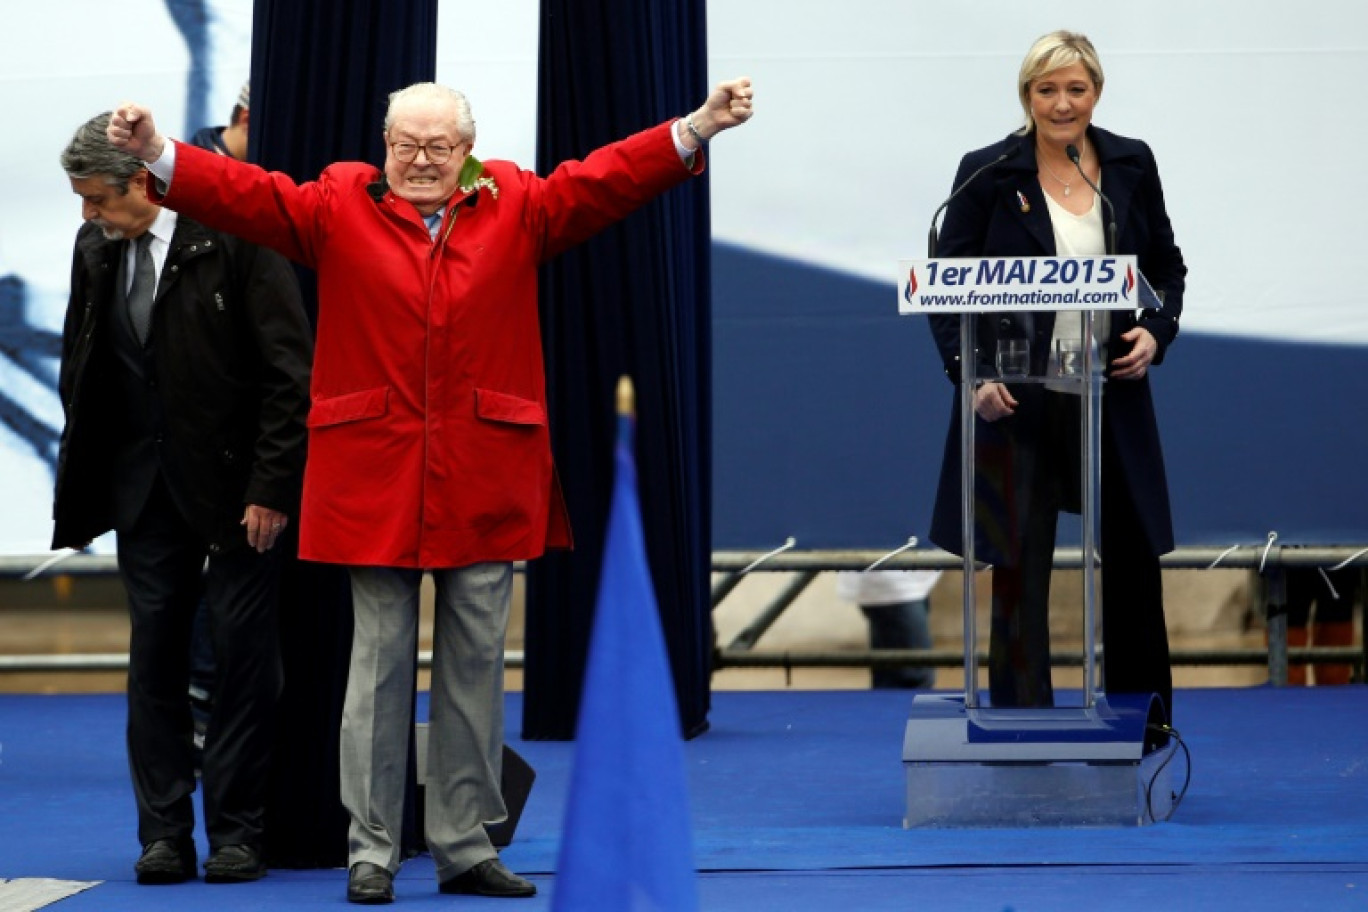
[910, 288]
[1128, 285]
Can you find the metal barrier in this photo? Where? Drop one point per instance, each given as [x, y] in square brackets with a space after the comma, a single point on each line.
[1268, 558]
[731, 567]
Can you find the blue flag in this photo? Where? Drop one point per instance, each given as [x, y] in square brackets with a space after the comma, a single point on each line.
[627, 843]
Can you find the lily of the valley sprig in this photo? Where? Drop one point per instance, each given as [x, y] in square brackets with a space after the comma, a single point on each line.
[472, 178]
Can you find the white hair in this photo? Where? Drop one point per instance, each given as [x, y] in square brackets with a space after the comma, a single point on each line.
[429, 92]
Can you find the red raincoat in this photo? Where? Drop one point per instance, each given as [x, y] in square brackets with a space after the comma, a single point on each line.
[428, 441]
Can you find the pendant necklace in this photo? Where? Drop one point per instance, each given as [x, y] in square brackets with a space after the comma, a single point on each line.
[1067, 184]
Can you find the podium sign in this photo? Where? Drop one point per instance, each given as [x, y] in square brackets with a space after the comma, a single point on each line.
[975, 284]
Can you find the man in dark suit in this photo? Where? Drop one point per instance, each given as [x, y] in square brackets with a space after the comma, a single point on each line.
[184, 380]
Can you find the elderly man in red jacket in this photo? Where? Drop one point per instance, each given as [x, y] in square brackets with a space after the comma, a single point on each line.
[428, 444]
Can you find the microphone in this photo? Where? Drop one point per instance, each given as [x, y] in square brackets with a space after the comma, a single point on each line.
[1072, 151]
[932, 238]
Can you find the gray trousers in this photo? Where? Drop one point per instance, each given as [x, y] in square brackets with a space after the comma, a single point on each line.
[466, 719]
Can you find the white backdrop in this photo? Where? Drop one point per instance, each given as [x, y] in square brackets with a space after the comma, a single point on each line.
[1252, 108]
[57, 72]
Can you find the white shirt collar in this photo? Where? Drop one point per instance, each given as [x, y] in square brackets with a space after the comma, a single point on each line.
[164, 226]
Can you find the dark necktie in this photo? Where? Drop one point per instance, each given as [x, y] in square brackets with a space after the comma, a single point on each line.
[144, 284]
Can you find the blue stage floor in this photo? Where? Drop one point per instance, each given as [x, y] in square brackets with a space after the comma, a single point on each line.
[797, 802]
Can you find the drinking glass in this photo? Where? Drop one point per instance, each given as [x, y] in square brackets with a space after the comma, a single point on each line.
[1013, 357]
[1068, 358]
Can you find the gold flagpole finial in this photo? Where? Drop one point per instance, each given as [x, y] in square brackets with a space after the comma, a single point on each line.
[626, 397]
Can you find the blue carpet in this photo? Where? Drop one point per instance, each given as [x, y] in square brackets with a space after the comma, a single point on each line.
[797, 800]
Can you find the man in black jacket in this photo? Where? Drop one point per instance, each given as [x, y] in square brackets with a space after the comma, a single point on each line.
[184, 380]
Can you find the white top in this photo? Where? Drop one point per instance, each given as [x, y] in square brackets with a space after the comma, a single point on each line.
[1077, 235]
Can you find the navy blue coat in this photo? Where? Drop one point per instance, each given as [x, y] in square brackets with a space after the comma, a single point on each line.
[987, 219]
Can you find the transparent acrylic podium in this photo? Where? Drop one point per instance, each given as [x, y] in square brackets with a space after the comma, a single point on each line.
[1094, 763]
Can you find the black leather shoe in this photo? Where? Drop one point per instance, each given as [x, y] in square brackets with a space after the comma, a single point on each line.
[489, 878]
[369, 884]
[234, 864]
[167, 861]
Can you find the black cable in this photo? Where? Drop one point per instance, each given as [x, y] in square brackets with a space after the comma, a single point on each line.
[1187, 778]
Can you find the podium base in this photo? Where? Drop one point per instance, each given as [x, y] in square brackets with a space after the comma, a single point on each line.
[1054, 766]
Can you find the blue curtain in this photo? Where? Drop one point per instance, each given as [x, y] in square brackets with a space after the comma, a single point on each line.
[321, 74]
[635, 300]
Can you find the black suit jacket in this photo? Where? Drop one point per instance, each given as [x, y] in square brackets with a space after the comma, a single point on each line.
[987, 219]
[228, 362]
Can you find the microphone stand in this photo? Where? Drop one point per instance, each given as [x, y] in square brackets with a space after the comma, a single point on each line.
[932, 239]
[1072, 151]
[1092, 421]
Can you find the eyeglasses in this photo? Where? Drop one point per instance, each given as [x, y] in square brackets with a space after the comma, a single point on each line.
[437, 153]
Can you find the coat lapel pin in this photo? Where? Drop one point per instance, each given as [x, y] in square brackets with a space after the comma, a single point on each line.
[1025, 203]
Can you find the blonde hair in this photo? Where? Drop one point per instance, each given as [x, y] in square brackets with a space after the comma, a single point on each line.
[1050, 53]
